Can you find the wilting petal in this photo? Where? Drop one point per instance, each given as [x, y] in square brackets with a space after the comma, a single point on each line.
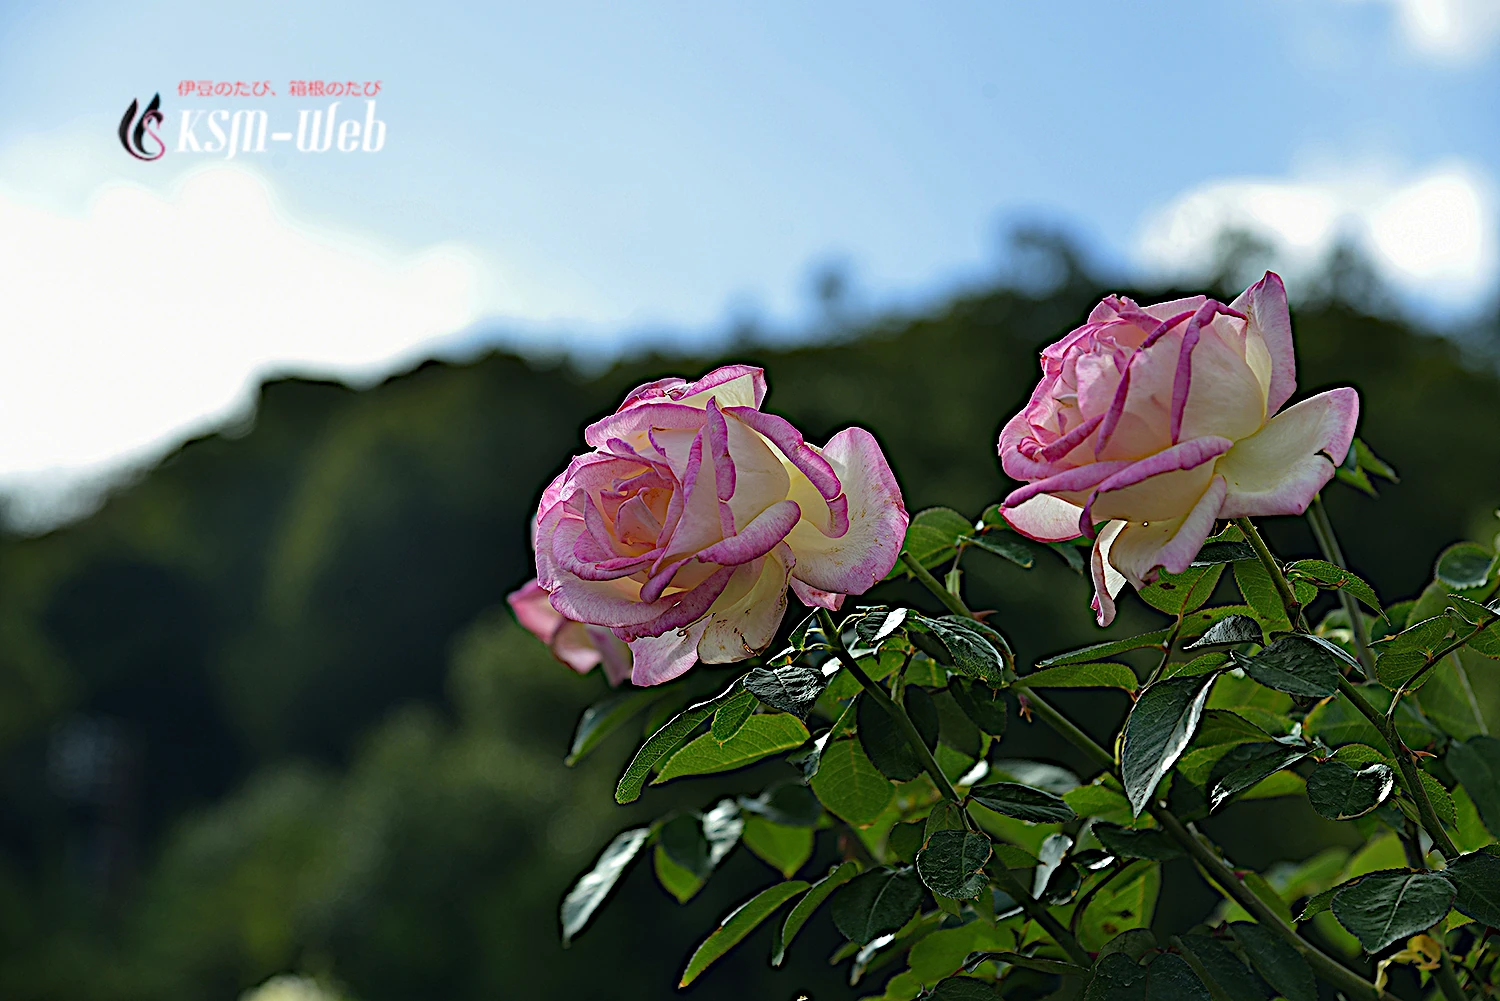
[1139, 550]
[813, 598]
[1107, 580]
[746, 626]
[661, 658]
[855, 561]
[1163, 486]
[1279, 469]
[1045, 518]
[1265, 305]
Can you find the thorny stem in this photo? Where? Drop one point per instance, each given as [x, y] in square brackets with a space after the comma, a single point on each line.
[1038, 912]
[1214, 867]
[1328, 544]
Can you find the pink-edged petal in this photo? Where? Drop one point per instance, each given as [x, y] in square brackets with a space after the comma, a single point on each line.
[533, 609]
[1045, 518]
[855, 561]
[700, 523]
[761, 476]
[1107, 580]
[659, 659]
[634, 424]
[730, 385]
[789, 441]
[601, 602]
[1163, 486]
[813, 598]
[1280, 468]
[1264, 303]
[574, 645]
[1140, 550]
[1221, 394]
[1175, 307]
[1138, 420]
[614, 655]
[1080, 479]
[744, 627]
[678, 610]
[757, 538]
[718, 451]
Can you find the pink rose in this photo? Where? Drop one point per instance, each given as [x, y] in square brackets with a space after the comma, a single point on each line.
[1151, 423]
[696, 511]
[578, 645]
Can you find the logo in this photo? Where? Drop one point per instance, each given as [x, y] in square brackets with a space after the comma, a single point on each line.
[134, 141]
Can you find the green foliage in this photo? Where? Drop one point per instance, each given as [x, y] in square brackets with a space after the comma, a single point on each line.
[1022, 802]
[1158, 730]
[757, 737]
[1340, 792]
[849, 785]
[591, 889]
[739, 923]
[1385, 907]
[876, 903]
[951, 863]
[1099, 675]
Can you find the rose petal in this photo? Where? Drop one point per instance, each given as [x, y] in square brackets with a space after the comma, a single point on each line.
[761, 477]
[1107, 580]
[1279, 469]
[1139, 550]
[813, 598]
[730, 385]
[1265, 305]
[855, 561]
[658, 659]
[757, 538]
[533, 609]
[745, 627]
[1045, 518]
[1163, 486]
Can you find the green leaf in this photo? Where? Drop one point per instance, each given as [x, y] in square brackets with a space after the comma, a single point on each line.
[1158, 730]
[760, 737]
[785, 849]
[1231, 629]
[603, 718]
[1202, 664]
[1117, 977]
[1274, 959]
[1295, 665]
[1223, 552]
[1476, 876]
[1146, 843]
[1225, 970]
[884, 741]
[791, 689]
[963, 989]
[1245, 765]
[966, 646]
[951, 863]
[1098, 801]
[732, 715]
[1329, 576]
[933, 536]
[1338, 722]
[1023, 802]
[1462, 697]
[1099, 675]
[1401, 656]
[809, 903]
[1464, 565]
[682, 883]
[1340, 792]
[876, 902]
[1385, 907]
[1110, 648]
[1476, 763]
[981, 703]
[663, 740]
[1007, 546]
[955, 728]
[790, 804]
[739, 923]
[1181, 593]
[1127, 903]
[849, 785]
[923, 713]
[1261, 595]
[593, 886]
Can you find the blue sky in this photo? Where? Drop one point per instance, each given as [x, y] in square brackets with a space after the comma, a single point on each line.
[579, 174]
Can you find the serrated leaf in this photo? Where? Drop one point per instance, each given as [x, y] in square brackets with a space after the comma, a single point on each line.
[759, 737]
[1009, 547]
[732, 715]
[603, 718]
[1275, 960]
[1225, 970]
[1117, 977]
[1023, 802]
[962, 644]
[628, 790]
[1097, 675]
[1223, 552]
[1147, 843]
[791, 690]
[1229, 630]
[982, 704]
[1464, 565]
[1333, 577]
[1476, 877]
[849, 785]
[1127, 903]
[1261, 595]
[1158, 730]
[1476, 763]
[1098, 801]
[884, 741]
[1296, 665]
[962, 989]
[1109, 648]
[1385, 907]
[1181, 593]
[1340, 792]
[739, 923]
[951, 863]
[785, 849]
[1401, 656]
[1246, 765]
[594, 886]
[809, 903]
[876, 903]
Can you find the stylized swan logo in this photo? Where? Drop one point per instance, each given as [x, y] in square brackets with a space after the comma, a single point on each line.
[135, 141]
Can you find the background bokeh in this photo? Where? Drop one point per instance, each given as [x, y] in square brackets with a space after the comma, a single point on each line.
[265, 712]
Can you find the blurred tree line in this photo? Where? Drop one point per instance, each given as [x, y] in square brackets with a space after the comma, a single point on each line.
[264, 710]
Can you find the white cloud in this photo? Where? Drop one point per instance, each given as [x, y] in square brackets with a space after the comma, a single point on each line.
[1449, 30]
[152, 315]
[1432, 236]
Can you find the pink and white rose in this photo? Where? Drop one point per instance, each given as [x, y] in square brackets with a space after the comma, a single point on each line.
[695, 512]
[577, 644]
[1151, 423]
